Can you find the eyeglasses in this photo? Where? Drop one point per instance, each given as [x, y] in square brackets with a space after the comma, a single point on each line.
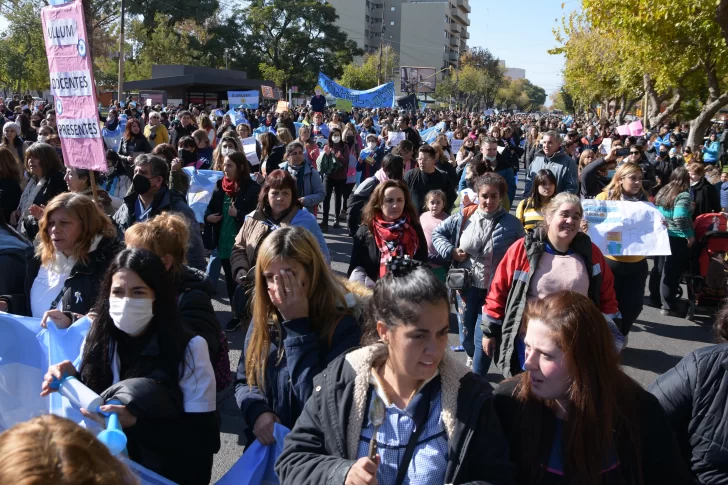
[634, 153]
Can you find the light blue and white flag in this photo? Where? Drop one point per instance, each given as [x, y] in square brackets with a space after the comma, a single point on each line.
[202, 183]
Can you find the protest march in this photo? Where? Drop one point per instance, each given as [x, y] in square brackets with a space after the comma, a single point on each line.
[418, 292]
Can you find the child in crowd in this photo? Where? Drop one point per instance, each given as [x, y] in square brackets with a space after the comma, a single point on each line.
[370, 158]
[434, 214]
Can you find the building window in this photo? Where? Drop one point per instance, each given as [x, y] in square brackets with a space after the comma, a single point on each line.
[394, 8]
[391, 23]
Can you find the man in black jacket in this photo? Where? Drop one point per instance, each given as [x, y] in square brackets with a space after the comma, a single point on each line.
[182, 127]
[151, 196]
[425, 177]
[409, 133]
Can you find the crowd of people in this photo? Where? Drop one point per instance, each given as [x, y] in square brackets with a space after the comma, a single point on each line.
[358, 366]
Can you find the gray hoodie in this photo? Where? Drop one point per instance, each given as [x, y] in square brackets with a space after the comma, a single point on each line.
[561, 165]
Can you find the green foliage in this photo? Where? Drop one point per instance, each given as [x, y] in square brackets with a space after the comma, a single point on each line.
[23, 64]
[298, 37]
[366, 75]
[520, 94]
[172, 11]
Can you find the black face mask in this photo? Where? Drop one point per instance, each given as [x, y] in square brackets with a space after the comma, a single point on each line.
[188, 157]
[35, 123]
[349, 140]
[141, 184]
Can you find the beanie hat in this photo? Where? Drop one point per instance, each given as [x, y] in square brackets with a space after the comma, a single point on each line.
[11, 125]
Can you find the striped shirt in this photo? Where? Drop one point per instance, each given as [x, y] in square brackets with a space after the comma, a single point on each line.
[529, 217]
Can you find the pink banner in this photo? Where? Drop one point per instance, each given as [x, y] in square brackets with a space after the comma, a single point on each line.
[73, 86]
[636, 129]
[623, 130]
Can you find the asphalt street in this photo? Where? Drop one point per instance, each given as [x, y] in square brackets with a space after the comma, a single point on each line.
[656, 343]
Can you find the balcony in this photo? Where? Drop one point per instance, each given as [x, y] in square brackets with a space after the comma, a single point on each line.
[464, 34]
[465, 5]
[454, 40]
[453, 56]
[454, 27]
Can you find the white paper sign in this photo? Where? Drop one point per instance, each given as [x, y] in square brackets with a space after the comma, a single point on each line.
[500, 149]
[249, 148]
[62, 32]
[395, 137]
[78, 128]
[456, 145]
[626, 228]
[71, 83]
[606, 146]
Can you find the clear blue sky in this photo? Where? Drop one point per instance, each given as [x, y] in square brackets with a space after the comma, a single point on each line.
[521, 34]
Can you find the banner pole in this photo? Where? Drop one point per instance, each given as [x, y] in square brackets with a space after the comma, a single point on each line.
[92, 175]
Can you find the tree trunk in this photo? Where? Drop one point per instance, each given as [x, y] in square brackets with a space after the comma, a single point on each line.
[702, 122]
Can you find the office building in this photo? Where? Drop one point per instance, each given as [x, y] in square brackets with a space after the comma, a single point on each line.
[424, 33]
[512, 72]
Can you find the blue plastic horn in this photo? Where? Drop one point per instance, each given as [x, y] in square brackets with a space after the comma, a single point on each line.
[113, 437]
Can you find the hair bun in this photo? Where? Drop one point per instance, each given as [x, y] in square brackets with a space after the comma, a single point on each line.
[401, 265]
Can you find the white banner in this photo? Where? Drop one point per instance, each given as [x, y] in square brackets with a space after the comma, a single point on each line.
[78, 128]
[72, 83]
[455, 146]
[626, 228]
[62, 32]
[395, 137]
[249, 148]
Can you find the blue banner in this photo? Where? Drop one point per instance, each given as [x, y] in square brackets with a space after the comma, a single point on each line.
[379, 97]
[244, 99]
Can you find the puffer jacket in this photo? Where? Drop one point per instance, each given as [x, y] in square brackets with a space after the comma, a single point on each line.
[257, 226]
[705, 197]
[310, 186]
[724, 195]
[506, 231]
[507, 296]
[693, 395]
[323, 445]
[295, 356]
[81, 287]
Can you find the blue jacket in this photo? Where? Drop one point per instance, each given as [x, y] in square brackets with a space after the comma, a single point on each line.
[711, 152]
[310, 186]
[305, 219]
[289, 380]
[724, 195]
[446, 236]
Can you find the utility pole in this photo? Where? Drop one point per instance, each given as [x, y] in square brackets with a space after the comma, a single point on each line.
[121, 55]
[381, 48]
[226, 58]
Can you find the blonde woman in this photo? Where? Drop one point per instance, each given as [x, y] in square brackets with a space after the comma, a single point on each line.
[630, 272]
[155, 131]
[303, 318]
[284, 135]
[75, 245]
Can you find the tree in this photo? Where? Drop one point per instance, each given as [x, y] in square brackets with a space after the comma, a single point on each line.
[562, 101]
[23, 64]
[489, 75]
[172, 12]
[691, 30]
[365, 75]
[163, 45]
[298, 37]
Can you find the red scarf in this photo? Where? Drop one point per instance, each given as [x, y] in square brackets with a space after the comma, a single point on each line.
[396, 238]
[230, 187]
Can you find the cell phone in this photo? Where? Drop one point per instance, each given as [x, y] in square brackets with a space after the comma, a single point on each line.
[622, 152]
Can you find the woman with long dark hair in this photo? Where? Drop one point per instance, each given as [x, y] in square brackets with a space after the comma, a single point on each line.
[133, 142]
[272, 152]
[676, 205]
[530, 209]
[138, 352]
[574, 416]
[333, 164]
[390, 226]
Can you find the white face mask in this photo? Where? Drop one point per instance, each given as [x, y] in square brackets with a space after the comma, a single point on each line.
[131, 315]
[336, 139]
[372, 145]
[42, 139]
[490, 159]
[227, 151]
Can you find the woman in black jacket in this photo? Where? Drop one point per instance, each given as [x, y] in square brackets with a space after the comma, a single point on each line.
[138, 353]
[271, 153]
[15, 253]
[574, 416]
[235, 196]
[704, 195]
[693, 395]
[390, 227]
[166, 235]
[10, 190]
[133, 142]
[428, 403]
[46, 181]
[76, 244]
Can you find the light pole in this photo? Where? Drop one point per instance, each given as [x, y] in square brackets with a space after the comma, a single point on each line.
[121, 54]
